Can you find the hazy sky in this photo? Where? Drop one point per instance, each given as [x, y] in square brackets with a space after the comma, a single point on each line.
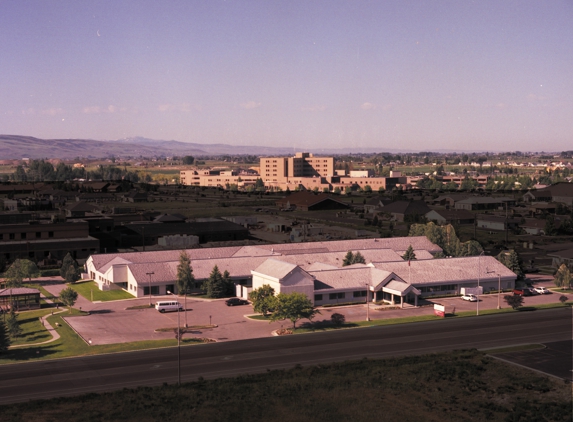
[419, 75]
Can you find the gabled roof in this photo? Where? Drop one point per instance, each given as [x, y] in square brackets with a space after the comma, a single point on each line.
[275, 268]
[18, 291]
[448, 270]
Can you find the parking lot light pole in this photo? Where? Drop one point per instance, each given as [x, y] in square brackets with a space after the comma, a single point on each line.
[479, 273]
[498, 291]
[178, 342]
[367, 303]
[150, 274]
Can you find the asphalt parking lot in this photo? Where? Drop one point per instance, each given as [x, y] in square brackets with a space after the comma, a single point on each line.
[555, 359]
[111, 322]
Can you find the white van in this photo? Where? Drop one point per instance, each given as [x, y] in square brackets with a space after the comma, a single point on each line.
[167, 306]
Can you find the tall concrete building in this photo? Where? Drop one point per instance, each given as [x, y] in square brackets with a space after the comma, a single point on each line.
[303, 164]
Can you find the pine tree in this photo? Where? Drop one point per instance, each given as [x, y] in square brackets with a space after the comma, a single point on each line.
[228, 283]
[66, 263]
[13, 325]
[348, 259]
[214, 286]
[185, 278]
[72, 274]
[409, 255]
[358, 259]
[4, 337]
[512, 261]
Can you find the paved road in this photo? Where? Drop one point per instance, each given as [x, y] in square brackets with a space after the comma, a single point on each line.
[21, 382]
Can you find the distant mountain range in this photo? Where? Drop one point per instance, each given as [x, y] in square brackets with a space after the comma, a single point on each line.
[18, 147]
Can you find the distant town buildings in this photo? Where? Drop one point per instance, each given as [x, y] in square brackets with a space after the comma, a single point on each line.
[303, 171]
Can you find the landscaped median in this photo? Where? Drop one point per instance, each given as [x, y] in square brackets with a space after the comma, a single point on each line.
[325, 325]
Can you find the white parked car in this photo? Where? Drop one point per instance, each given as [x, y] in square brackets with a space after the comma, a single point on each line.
[471, 298]
[541, 290]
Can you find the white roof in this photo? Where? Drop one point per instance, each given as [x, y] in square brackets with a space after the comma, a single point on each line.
[275, 268]
[448, 270]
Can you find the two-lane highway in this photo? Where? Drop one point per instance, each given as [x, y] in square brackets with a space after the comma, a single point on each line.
[46, 379]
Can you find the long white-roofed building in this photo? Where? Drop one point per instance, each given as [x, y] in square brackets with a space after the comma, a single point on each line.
[385, 276]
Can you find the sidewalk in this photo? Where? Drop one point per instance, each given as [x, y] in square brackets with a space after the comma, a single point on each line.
[55, 335]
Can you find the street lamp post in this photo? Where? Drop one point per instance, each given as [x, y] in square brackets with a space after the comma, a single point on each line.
[479, 273]
[367, 303]
[498, 291]
[150, 274]
[178, 342]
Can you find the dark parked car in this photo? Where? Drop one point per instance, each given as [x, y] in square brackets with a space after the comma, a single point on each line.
[522, 291]
[234, 301]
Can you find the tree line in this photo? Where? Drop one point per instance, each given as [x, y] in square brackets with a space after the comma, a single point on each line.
[44, 171]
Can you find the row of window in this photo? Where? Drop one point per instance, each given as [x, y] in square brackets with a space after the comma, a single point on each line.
[12, 236]
[340, 295]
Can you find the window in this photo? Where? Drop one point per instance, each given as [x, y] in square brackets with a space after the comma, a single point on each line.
[12, 236]
[50, 234]
[154, 290]
[359, 293]
[1, 236]
[146, 291]
[333, 296]
[38, 235]
[23, 235]
[317, 298]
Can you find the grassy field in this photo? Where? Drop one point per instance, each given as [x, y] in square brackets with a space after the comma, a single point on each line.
[32, 329]
[458, 386]
[89, 288]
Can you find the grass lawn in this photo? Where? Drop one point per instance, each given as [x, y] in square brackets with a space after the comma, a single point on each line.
[259, 317]
[305, 327]
[87, 288]
[32, 329]
[464, 385]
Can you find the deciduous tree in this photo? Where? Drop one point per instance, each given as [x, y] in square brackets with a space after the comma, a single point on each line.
[68, 297]
[563, 277]
[515, 301]
[263, 299]
[294, 307]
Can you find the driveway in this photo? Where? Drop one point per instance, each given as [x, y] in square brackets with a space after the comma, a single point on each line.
[111, 322]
